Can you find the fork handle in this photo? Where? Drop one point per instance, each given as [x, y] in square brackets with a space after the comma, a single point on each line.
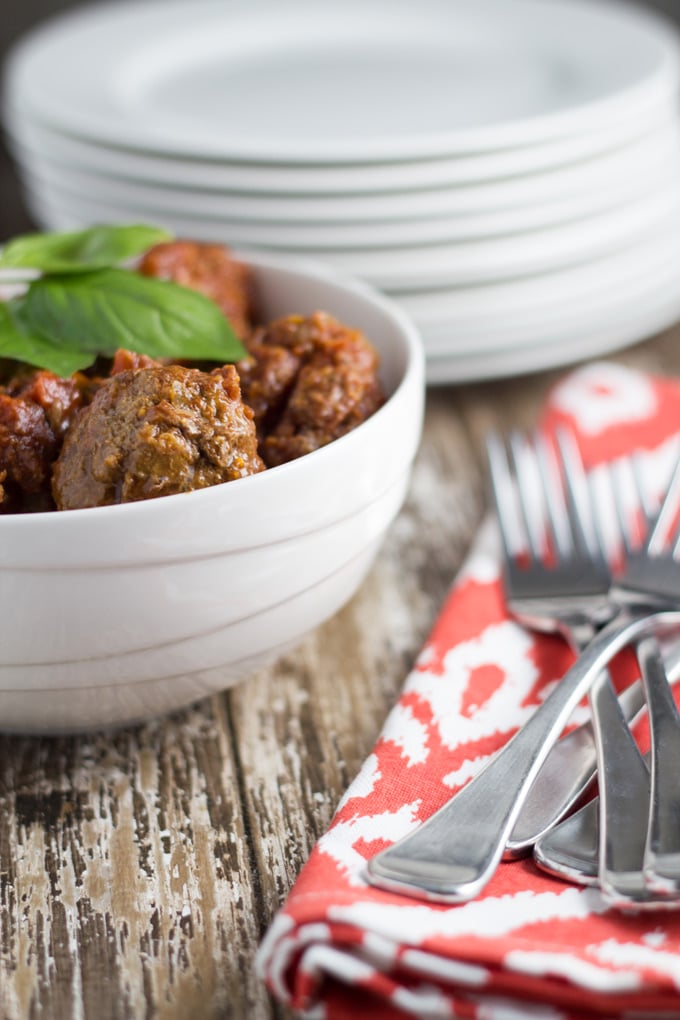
[662, 863]
[624, 785]
[452, 856]
[571, 764]
[568, 771]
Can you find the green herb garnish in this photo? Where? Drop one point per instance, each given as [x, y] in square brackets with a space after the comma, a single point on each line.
[80, 251]
[17, 342]
[83, 306]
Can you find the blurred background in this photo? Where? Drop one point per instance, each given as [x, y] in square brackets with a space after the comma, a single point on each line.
[20, 15]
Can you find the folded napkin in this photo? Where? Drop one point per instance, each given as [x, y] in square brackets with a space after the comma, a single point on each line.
[530, 945]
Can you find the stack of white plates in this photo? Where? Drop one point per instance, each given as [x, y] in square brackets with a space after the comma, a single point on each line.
[507, 170]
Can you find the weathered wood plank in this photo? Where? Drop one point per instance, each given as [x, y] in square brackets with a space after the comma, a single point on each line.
[125, 874]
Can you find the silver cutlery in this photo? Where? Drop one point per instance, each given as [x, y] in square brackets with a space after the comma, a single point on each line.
[530, 479]
[570, 849]
[623, 777]
[567, 512]
[633, 814]
[662, 852]
[654, 576]
[650, 576]
[566, 775]
[452, 855]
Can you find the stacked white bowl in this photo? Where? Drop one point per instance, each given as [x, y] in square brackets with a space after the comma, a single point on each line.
[507, 170]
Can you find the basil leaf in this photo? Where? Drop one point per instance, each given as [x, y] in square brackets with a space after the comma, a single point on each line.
[82, 250]
[21, 345]
[111, 308]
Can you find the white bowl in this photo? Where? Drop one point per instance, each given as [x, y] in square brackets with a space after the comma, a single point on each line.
[114, 614]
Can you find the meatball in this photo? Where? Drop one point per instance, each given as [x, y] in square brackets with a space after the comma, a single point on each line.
[156, 431]
[27, 449]
[309, 380]
[209, 269]
[59, 398]
[128, 361]
[267, 377]
[36, 410]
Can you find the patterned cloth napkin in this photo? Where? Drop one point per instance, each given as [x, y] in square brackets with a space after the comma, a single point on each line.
[530, 946]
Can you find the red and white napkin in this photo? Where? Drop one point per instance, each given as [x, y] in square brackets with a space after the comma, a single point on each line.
[530, 946]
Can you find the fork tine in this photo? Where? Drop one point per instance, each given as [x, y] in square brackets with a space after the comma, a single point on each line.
[579, 503]
[530, 484]
[637, 513]
[665, 518]
[505, 498]
[623, 477]
[649, 510]
[528, 487]
[557, 517]
[625, 505]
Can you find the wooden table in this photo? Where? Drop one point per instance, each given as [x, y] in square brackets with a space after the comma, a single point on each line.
[139, 869]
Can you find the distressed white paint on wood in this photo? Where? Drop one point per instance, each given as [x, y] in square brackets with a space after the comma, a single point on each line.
[139, 869]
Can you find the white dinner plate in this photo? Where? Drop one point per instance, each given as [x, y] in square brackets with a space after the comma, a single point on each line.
[641, 160]
[638, 297]
[322, 235]
[432, 266]
[497, 305]
[362, 80]
[656, 281]
[556, 351]
[34, 141]
[562, 344]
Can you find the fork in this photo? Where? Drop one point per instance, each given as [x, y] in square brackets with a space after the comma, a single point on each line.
[452, 855]
[571, 763]
[570, 849]
[651, 575]
[654, 576]
[629, 873]
[626, 791]
[623, 777]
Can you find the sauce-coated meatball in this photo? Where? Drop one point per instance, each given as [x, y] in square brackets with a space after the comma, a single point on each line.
[36, 411]
[210, 270]
[156, 431]
[309, 380]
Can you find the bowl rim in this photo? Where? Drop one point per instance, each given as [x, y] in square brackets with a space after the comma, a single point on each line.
[413, 375]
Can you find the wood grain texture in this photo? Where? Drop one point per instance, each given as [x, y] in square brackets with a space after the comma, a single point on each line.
[139, 869]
